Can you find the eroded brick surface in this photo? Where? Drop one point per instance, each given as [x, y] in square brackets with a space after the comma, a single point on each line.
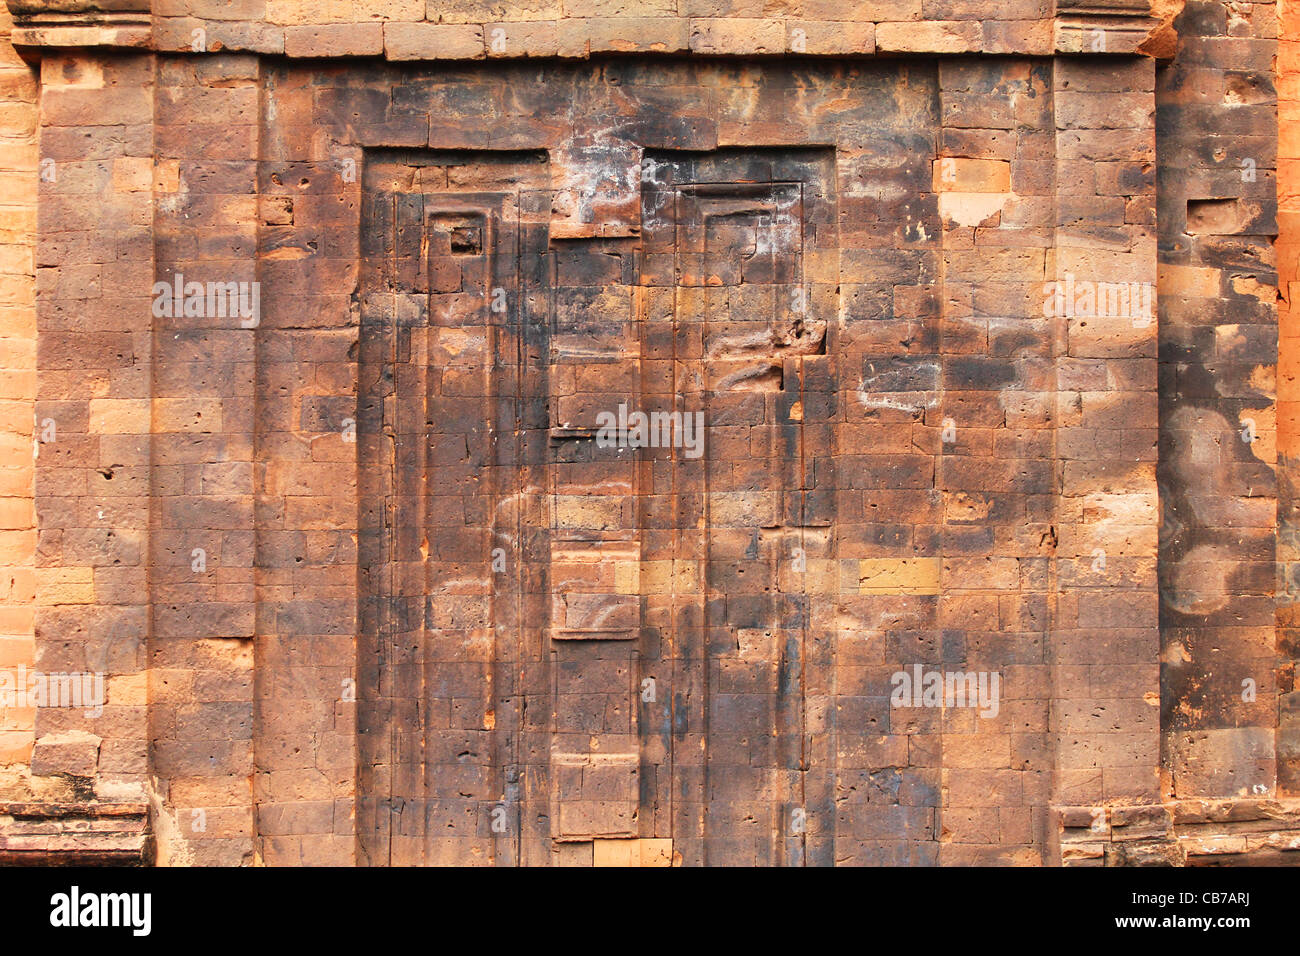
[700, 647]
[1218, 341]
[482, 440]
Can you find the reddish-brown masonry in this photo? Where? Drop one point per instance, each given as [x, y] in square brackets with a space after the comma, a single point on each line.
[584, 432]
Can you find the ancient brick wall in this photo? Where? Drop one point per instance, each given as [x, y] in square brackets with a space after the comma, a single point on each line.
[857, 308]
[959, 365]
[1217, 146]
[93, 473]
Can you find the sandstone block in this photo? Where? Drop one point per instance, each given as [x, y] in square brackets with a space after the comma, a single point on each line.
[431, 41]
[936, 36]
[341, 39]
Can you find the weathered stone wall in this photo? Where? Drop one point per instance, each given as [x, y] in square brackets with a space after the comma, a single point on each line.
[1105, 689]
[94, 249]
[205, 402]
[1217, 148]
[369, 588]
[937, 469]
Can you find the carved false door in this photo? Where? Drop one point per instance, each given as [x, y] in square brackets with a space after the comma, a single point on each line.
[734, 330]
[446, 517]
[570, 646]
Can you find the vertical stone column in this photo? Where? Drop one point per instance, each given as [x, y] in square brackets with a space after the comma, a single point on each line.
[207, 310]
[886, 537]
[95, 352]
[991, 432]
[1105, 643]
[1216, 145]
[305, 449]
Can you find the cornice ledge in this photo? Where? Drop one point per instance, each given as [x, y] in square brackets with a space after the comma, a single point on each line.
[1087, 27]
[1117, 27]
[80, 23]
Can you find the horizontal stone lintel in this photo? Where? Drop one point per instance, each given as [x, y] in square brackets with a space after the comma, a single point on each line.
[1076, 32]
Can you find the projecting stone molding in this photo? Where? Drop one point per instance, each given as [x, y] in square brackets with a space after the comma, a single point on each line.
[579, 30]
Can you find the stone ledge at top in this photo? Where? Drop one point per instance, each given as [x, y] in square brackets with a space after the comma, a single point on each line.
[1086, 27]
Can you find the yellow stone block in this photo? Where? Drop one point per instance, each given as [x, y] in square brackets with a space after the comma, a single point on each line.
[129, 690]
[119, 416]
[669, 577]
[958, 175]
[1193, 282]
[656, 852]
[898, 575]
[591, 512]
[627, 577]
[65, 585]
[167, 176]
[656, 577]
[822, 576]
[616, 853]
[632, 852]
